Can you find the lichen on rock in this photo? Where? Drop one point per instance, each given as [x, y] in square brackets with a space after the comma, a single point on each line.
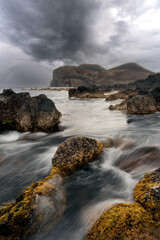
[139, 220]
[42, 204]
[73, 153]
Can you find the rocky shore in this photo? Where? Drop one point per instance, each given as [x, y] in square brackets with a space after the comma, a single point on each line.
[137, 102]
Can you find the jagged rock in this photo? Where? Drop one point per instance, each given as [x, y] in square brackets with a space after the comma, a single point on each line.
[86, 92]
[41, 205]
[73, 153]
[139, 220]
[21, 112]
[140, 103]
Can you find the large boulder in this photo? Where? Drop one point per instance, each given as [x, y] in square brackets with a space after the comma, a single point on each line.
[21, 112]
[73, 153]
[41, 205]
[139, 220]
[140, 103]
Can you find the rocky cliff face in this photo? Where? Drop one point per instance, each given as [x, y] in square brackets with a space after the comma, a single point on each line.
[92, 74]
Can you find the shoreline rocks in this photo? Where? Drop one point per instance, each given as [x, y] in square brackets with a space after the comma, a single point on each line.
[86, 92]
[138, 102]
[42, 204]
[21, 112]
[139, 220]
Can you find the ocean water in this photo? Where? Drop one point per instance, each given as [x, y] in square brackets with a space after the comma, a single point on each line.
[26, 158]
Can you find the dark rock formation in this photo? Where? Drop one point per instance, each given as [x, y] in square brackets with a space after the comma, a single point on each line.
[91, 74]
[41, 205]
[21, 112]
[140, 220]
[86, 92]
[141, 102]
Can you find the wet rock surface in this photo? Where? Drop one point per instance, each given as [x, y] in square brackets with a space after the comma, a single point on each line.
[41, 205]
[21, 112]
[139, 102]
[140, 220]
[86, 92]
[73, 153]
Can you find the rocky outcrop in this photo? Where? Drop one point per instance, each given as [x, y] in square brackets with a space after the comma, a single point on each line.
[141, 102]
[140, 220]
[86, 92]
[21, 112]
[41, 205]
[91, 74]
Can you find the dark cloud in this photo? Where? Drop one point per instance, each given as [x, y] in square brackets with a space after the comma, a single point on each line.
[75, 31]
[48, 30]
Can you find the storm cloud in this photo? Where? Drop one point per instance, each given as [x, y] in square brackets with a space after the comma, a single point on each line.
[59, 32]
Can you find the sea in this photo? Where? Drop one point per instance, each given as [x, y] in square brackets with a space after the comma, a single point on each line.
[26, 158]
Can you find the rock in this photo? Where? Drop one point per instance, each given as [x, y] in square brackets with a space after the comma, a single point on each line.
[86, 92]
[116, 96]
[139, 158]
[156, 94]
[122, 143]
[139, 220]
[142, 103]
[147, 193]
[41, 205]
[73, 153]
[92, 74]
[21, 112]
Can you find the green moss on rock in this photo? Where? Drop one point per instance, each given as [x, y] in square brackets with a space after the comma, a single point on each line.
[43, 203]
[140, 220]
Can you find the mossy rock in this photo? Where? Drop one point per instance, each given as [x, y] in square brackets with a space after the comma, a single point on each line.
[147, 193]
[74, 153]
[41, 205]
[139, 220]
[123, 221]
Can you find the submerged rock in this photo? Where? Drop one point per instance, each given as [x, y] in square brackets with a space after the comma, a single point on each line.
[41, 205]
[138, 158]
[139, 220]
[21, 112]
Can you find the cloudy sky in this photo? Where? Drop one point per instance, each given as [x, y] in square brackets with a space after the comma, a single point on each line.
[36, 36]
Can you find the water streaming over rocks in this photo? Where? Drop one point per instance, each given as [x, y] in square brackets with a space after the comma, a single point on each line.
[26, 158]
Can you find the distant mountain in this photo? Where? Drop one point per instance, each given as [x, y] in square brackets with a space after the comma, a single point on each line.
[93, 67]
[93, 74]
[132, 67]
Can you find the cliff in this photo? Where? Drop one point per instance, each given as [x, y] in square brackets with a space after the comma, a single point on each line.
[92, 74]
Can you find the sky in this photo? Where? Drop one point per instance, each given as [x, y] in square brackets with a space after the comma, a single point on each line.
[37, 36]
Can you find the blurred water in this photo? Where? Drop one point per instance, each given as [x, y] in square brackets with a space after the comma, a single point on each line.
[26, 158]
